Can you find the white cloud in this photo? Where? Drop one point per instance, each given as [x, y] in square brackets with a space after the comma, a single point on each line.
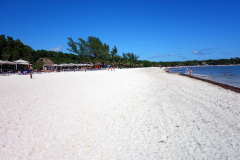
[58, 48]
[196, 52]
[199, 52]
[171, 54]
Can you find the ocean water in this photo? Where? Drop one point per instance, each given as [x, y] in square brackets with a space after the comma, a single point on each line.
[223, 74]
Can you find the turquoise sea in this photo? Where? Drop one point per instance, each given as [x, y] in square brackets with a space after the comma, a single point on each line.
[223, 74]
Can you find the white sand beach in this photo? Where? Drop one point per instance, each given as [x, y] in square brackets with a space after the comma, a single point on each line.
[126, 114]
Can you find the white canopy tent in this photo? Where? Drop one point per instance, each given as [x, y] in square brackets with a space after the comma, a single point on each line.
[7, 63]
[70, 64]
[1, 62]
[22, 62]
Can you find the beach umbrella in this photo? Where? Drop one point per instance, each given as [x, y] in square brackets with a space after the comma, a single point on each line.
[21, 61]
[1, 62]
[7, 62]
[78, 64]
[54, 65]
[70, 64]
[61, 65]
[25, 63]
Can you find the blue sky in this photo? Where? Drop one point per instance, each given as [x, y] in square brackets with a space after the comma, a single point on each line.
[156, 30]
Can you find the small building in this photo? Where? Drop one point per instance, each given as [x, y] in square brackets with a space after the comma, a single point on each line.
[203, 63]
[46, 62]
[98, 65]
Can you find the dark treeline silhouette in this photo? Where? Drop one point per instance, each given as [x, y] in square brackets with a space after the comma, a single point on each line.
[230, 61]
[14, 49]
[90, 50]
[94, 50]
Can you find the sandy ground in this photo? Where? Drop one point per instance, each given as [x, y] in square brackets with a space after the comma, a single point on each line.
[126, 114]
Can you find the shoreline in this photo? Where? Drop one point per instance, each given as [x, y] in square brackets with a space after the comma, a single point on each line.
[225, 86]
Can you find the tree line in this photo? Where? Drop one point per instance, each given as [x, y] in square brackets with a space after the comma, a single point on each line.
[94, 50]
[90, 50]
[230, 61]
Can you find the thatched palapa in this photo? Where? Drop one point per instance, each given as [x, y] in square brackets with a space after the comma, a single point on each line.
[46, 62]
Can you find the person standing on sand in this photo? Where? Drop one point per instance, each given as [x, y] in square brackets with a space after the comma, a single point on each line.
[30, 70]
[111, 68]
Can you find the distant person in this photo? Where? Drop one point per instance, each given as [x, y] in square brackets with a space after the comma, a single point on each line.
[30, 71]
[191, 71]
[111, 68]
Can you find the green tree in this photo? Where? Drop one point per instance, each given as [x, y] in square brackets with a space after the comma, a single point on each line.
[113, 54]
[89, 50]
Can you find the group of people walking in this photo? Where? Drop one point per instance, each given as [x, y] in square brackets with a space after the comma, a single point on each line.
[112, 68]
[189, 71]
